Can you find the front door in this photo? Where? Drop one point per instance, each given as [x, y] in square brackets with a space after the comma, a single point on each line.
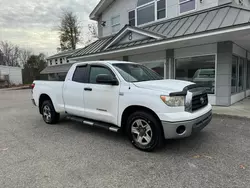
[101, 101]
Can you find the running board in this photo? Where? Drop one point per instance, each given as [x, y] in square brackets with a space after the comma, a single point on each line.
[98, 124]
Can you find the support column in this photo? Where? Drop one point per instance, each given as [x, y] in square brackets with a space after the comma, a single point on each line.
[245, 76]
[170, 64]
[223, 73]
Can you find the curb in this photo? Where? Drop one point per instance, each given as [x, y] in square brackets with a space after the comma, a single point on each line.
[20, 88]
[11, 89]
[231, 116]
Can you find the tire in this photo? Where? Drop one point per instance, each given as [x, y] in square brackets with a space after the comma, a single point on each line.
[50, 116]
[144, 131]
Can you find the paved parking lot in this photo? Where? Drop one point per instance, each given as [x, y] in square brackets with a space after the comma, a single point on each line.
[33, 154]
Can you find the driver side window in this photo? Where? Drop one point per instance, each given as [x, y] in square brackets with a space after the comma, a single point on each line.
[96, 70]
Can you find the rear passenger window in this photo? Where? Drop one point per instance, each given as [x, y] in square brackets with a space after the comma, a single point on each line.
[80, 74]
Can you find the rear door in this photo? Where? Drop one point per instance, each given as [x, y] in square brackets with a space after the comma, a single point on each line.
[101, 100]
[73, 91]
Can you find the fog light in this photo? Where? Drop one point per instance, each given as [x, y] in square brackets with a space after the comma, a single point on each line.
[180, 130]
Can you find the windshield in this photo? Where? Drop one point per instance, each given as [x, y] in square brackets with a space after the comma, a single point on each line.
[136, 72]
[209, 73]
[205, 73]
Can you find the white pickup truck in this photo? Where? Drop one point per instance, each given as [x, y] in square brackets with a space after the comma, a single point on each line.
[125, 96]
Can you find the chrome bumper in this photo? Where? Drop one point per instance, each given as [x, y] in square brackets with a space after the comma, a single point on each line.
[191, 126]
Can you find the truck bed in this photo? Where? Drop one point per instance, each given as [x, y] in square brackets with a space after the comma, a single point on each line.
[52, 88]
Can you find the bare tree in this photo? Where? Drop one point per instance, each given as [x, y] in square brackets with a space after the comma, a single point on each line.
[90, 36]
[69, 31]
[2, 58]
[24, 56]
[93, 30]
[10, 53]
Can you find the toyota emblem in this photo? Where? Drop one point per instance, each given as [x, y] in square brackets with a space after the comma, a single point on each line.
[202, 100]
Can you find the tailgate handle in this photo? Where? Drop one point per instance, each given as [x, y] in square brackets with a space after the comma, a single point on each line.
[87, 89]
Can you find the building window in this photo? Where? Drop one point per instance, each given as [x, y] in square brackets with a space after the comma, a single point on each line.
[56, 61]
[115, 24]
[234, 75]
[131, 18]
[61, 60]
[237, 80]
[150, 10]
[248, 74]
[161, 9]
[200, 70]
[62, 76]
[50, 62]
[187, 5]
[157, 67]
[241, 75]
[146, 14]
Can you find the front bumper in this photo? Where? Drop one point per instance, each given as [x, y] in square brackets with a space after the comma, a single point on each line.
[191, 126]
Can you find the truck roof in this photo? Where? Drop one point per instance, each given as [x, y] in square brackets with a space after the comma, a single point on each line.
[104, 62]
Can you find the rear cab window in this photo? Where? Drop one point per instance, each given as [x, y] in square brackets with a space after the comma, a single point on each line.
[80, 75]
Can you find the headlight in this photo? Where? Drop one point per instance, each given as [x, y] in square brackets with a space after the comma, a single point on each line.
[173, 101]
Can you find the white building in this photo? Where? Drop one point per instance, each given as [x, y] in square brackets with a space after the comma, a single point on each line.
[60, 58]
[203, 41]
[13, 75]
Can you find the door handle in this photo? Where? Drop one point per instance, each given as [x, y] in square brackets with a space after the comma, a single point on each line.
[87, 89]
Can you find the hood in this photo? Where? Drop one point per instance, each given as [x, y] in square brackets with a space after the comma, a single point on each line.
[168, 86]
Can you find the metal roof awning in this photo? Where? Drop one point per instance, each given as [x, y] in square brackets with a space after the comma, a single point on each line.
[64, 68]
[94, 47]
[63, 54]
[199, 22]
[202, 21]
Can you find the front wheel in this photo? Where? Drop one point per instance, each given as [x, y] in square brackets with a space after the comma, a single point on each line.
[50, 116]
[144, 131]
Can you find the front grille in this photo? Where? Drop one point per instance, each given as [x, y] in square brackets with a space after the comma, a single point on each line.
[199, 101]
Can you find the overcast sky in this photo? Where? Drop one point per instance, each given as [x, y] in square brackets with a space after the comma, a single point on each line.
[31, 23]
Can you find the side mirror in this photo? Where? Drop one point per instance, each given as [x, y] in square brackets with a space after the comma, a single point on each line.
[106, 79]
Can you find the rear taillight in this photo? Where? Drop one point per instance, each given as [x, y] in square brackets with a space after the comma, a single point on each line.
[32, 86]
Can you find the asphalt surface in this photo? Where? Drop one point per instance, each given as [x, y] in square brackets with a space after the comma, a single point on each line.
[34, 154]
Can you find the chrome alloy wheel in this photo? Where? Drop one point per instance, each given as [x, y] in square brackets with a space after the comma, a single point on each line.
[141, 132]
[47, 113]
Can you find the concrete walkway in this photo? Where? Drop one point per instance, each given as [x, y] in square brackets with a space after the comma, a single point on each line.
[239, 109]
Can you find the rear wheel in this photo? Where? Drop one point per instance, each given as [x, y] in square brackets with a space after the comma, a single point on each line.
[144, 131]
[50, 116]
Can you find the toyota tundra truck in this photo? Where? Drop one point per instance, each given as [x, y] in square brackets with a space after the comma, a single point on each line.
[127, 97]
